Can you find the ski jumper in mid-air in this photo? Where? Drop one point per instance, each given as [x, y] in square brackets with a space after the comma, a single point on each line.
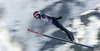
[54, 21]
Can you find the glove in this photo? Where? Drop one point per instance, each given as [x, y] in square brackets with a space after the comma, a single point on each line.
[59, 17]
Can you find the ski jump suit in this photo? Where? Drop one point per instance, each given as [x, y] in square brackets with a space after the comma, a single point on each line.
[54, 21]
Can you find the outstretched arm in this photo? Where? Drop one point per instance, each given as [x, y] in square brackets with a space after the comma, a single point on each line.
[58, 18]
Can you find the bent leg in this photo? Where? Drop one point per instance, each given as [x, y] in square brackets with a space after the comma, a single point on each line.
[69, 34]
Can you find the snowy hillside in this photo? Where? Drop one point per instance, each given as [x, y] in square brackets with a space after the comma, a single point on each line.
[82, 17]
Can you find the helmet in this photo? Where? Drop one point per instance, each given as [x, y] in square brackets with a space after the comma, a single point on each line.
[35, 13]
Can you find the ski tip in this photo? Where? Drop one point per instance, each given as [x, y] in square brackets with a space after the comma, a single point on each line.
[28, 29]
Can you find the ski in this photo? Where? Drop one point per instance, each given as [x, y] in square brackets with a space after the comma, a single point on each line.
[57, 38]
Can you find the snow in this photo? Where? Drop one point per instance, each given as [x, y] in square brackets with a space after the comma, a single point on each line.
[86, 12]
[17, 17]
[92, 35]
[5, 40]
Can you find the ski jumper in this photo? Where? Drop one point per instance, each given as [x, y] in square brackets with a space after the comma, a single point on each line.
[55, 21]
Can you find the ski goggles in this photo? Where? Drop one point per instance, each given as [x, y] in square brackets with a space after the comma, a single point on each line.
[35, 15]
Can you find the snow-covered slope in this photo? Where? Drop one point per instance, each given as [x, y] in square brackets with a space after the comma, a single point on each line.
[16, 16]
